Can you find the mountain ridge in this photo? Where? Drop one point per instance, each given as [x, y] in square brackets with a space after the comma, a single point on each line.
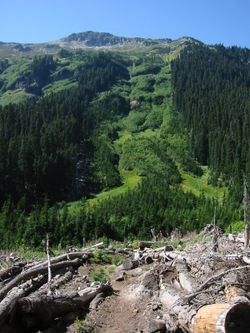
[87, 39]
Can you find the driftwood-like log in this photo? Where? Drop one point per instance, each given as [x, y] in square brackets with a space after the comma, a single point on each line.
[40, 311]
[56, 282]
[12, 271]
[63, 257]
[24, 276]
[212, 279]
[48, 260]
[185, 280]
[44, 303]
[97, 246]
[180, 314]
[148, 259]
[8, 303]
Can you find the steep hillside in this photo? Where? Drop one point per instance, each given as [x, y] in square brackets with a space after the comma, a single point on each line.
[110, 139]
[212, 87]
[59, 62]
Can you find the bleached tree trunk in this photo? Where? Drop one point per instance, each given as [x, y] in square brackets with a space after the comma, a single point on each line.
[215, 238]
[34, 272]
[245, 201]
[48, 259]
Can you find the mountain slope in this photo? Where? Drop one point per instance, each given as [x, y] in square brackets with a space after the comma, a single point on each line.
[21, 65]
[95, 115]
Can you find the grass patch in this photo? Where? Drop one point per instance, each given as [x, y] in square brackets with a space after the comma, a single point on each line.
[237, 226]
[59, 86]
[111, 269]
[31, 254]
[14, 97]
[199, 185]
[130, 180]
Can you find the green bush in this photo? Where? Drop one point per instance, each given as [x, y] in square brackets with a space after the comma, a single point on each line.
[100, 257]
[100, 276]
[116, 261]
[237, 226]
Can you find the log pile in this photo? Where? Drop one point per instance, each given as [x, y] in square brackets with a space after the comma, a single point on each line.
[197, 289]
[202, 290]
[26, 305]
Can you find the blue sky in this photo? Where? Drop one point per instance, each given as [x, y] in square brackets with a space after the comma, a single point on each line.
[211, 21]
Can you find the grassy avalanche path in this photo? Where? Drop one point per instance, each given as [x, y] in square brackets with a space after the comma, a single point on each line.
[199, 185]
[130, 180]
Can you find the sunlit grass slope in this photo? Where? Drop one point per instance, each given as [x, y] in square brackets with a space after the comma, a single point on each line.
[199, 185]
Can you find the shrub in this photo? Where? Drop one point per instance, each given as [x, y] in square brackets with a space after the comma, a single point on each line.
[100, 276]
[237, 226]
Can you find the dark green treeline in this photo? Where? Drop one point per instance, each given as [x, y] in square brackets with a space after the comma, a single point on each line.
[212, 92]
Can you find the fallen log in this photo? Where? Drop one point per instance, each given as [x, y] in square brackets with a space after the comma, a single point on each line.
[148, 259]
[96, 301]
[56, 282]
[9, 302]
[39, 312]
[211, 280]
[24, 276]
[87, 294]
[12, 271]
[44, 303]
[67, 256]
[221, 318]
[214, 318]
[99, 246]
[130, 264]
[185, 280]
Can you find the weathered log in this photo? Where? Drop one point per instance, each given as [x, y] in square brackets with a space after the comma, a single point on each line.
[185, 279]
[178, 315]
[87, 294]
[56, 282]
[38, 311]
[57, 305]
[130, 264]
[12, 271]
[8, 303]
[215, 318]
[67, 256]
[96, 301]
[212, 279]
[24, 276]
[98, 246]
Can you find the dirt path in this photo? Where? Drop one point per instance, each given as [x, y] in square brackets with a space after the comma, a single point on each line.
[122, 312]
